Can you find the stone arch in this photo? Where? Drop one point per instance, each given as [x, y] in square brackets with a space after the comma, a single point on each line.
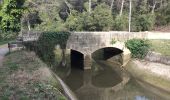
[105, 53]
[77, 59]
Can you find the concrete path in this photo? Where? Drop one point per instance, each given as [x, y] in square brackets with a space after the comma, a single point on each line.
[3, 50]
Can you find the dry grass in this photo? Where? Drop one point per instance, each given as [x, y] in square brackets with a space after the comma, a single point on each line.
[24, 77]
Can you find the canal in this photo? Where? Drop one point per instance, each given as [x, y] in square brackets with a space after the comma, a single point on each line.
[105, 81]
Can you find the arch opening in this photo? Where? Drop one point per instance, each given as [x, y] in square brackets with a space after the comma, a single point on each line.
[77, 59]
[106, 53]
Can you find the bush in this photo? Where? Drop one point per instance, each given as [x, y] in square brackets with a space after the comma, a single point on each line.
[138, 47]
[167, 14]
[7, 35]
[162, 21]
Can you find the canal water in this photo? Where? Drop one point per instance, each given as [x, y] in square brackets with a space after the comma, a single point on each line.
[105, 81]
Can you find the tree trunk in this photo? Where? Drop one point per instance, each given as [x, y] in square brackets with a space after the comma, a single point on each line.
[161, 3]
[153, 8]
[89, 6]
[130, 14]
[68, 5]
[28, 24]
[29, 27]
[111, 7]
[121, 9]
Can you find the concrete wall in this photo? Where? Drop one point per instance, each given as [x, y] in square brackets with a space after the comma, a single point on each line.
[157, 57]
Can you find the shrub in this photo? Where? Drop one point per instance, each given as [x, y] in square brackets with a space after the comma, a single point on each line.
[145, 22]
[162, 21]
[7, 35]
[102, 17]
[138, 47]
[75, 21]
[120, 23]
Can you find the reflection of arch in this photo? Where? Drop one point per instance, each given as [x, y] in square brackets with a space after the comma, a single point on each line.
[77, 59]
[106, 53]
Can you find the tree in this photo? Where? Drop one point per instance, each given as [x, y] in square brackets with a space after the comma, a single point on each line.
[102, 18]
[11, 14]
[130, 14]
[142, 7]
[89, 6]
[44, 15]
[145, 22]
[75, 21]
[111, 6]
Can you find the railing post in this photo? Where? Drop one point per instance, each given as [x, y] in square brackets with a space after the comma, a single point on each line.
[9, 47]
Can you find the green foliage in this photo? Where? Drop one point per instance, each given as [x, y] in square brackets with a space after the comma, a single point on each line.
[99, 20]
[167, 14]
[142, 7]
[162, 21]
[102, 18]
[163, 16]
[45, 46]
[50, 19]
[120, 23]
[113, 41]
[10, 15]
[145, 22]
[139, 48]
[7, 35]
[75, 21]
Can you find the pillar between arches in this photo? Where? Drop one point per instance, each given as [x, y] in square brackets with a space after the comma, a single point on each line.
[87, 62]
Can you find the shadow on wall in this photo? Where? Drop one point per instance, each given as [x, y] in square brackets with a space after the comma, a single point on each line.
[106, 53]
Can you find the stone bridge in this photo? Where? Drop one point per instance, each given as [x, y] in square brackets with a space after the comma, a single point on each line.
[86, 43]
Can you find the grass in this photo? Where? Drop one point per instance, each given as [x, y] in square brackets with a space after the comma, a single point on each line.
[5, 41]
[160, 46]
[24, 77]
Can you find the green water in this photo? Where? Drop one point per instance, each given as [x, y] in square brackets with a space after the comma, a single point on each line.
[105, 81]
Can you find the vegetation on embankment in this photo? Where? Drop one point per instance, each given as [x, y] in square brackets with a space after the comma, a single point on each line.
[24, 77]
[46, 45]
[2, 42]
[143, 72]
[154, 74]
[160, 46]
[138, 47]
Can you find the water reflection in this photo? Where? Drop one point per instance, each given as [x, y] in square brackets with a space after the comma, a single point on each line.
[105, 77]
[105, 81]
[141, 98]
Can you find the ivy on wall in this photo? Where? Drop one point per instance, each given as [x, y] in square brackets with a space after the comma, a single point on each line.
[46, 43]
